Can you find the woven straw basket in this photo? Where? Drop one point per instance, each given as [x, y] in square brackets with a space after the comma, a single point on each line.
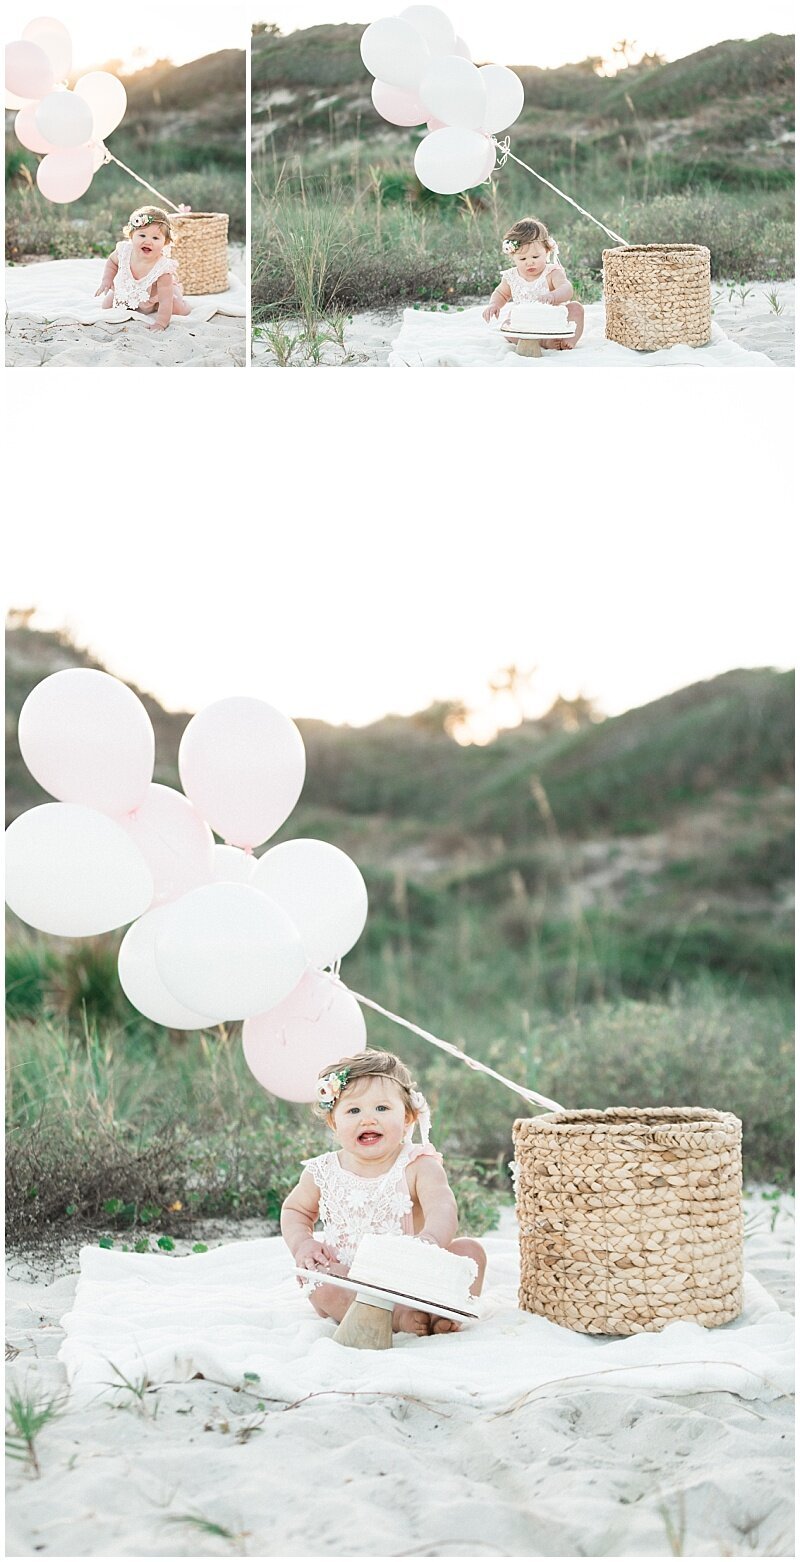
[200, 247]
[658, 295]
[629, 1219]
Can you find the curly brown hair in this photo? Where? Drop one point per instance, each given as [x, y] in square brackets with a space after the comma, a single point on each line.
[528, 231]
[158, 217]
[371, 1065]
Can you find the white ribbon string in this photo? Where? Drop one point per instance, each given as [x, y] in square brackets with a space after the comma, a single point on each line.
[505, 151]
[447, 1046]
[110, 158]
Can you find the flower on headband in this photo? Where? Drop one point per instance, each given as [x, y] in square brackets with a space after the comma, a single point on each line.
[141, 220]
[330, 1087]
[510, 246]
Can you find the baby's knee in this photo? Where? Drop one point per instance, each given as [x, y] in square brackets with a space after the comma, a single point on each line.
[467, 1247]
[575, 309]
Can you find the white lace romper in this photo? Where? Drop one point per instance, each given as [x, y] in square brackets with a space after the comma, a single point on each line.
[523, 292]
[131, 292]
[351, 1206]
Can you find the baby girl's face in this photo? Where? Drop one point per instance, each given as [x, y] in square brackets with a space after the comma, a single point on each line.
[530, 260]
[149, 242]
[370, 1119]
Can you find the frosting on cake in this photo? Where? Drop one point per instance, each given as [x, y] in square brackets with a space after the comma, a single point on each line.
[550, 319]
[416, 1269]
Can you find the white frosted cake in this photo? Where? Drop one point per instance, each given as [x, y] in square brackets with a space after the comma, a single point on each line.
[415, 1269]
[544, 319]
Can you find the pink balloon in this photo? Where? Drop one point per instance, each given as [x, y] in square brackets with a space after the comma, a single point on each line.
[436, 124]
[27, 132]
[243, 764]
[29, 73]
[86, 737]
[175, 842]
[65, 176]
[400, 108]
[317, 1024]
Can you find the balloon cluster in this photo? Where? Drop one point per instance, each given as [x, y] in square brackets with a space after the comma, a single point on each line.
[216, 934]
[67, 126]
[424, 75]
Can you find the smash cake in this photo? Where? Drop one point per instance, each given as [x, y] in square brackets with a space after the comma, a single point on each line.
[416, 1269]
[539, 319]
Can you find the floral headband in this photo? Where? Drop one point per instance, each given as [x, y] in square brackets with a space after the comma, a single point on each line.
[330, 1087]
[143, 220]
[510, 246]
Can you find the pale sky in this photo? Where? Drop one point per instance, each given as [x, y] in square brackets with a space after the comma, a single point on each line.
[345, 620]
[139, 33]
[522, 34]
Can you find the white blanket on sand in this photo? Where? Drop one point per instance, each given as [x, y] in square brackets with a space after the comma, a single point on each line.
[236, 1312]
[61, 290]
[462, 339]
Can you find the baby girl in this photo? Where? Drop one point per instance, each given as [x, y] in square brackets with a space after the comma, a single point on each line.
[139, 274]
[376, 1182]
[535, 277]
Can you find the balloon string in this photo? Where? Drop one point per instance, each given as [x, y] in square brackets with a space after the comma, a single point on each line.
[110, 158]
[447, 1046]
[505, 152]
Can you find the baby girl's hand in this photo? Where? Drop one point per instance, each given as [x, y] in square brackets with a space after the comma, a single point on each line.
[102, 290]
[493, 309]
[312, 1254]
[158, 325]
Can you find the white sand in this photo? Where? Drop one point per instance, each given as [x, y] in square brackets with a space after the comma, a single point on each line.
[190, 343]
[588, 1471]
[743, 312]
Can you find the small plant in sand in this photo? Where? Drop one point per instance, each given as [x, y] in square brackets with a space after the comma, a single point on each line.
[774, 301]
[28, 1412]
[196, 1521]
[137, 1388]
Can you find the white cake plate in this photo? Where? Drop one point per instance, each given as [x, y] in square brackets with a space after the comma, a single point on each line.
[377, 1296]
[529, 343]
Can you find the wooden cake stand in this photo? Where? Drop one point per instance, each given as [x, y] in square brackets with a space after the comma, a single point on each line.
[367, 1324]
[530, 345]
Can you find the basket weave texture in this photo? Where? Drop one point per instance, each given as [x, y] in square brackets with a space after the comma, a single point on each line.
[630, 1218]
[200, 247]
[658, 295]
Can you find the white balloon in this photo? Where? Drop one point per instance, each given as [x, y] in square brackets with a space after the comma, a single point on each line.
[175, 842]
[452, 90]
[505, 97]
[227, 950]
[230, 865]
[106, 98]
[463, 48]
[395, 52]
[64, 119]
[243, 764]
[448, 161]
[87, 739]
[52, 36]
[141, 983]
[98, 152]
[73, 872]
[435, 27]
[323, 892]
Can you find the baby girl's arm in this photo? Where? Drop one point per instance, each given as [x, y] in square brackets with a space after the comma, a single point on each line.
[562, 292]
[298, 1216]
[109, 272]
[500, 296]
[164, 292]
[438, 1204]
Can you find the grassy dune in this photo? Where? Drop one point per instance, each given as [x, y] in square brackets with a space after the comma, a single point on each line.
[602, 914]
[700, 150]
[183, 131]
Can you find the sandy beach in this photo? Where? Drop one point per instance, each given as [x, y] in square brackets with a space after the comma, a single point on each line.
[745, 312]
[587, 1470]
[218, 342]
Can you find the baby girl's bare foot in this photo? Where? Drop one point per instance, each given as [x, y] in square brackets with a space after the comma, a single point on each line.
[445, 1326]
[405, 1320]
